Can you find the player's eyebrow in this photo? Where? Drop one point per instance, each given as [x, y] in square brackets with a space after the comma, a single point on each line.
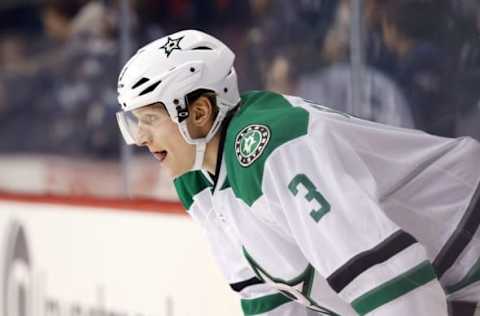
[154, 108]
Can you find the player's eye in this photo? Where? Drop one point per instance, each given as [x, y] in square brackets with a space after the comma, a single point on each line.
[148, 119]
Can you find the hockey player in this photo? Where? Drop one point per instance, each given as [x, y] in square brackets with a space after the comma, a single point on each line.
[309, 211]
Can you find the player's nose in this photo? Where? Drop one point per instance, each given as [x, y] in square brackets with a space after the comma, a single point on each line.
[142, 138]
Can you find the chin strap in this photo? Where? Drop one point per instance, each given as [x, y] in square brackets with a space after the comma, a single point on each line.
[199, 156]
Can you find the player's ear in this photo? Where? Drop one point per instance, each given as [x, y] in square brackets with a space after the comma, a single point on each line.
[201, 113]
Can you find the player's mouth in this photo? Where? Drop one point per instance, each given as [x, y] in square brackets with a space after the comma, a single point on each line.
[160, 155]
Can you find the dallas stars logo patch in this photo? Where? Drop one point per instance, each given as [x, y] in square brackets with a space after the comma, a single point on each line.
[250, 143]
[171, 45]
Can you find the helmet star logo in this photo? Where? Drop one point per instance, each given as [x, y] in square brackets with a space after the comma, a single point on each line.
[171, 45]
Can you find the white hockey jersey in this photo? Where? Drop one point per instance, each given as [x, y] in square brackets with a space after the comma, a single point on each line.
[339, 214]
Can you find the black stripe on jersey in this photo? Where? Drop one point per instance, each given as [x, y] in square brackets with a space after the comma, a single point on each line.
[461, 308]
[388, 248]
[239, 286]
[460, 238]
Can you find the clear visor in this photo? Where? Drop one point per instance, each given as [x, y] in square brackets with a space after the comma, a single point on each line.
[128, 124]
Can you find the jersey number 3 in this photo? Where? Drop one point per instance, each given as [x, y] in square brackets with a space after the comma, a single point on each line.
[312, 194]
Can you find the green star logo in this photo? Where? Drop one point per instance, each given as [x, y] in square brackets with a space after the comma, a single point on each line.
[298, 289]
[250, 143]
[171, 45]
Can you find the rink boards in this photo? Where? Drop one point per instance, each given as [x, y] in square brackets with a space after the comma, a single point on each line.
[58, 259]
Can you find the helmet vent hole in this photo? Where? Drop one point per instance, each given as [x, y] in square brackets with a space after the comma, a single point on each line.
[150, 88]
[225, 90]
[176, 101]
[140, 82]
[202, 48]
[192, 69]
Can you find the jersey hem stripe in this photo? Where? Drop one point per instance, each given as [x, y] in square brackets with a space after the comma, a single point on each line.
[462, 308]
[393, 289]
[263, 304]
[472, 276]
[388, 248]
[239, 286]
[461, 237]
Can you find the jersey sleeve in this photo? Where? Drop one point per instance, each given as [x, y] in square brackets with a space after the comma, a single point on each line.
[318, 189]
[256, 297]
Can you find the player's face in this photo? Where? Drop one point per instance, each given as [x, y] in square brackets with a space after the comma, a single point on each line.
[162, 137]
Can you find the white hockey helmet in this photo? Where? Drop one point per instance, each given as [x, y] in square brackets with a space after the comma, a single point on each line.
[167, 70]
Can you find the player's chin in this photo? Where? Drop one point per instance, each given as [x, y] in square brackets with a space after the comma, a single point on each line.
[175, 166]
[174, 171]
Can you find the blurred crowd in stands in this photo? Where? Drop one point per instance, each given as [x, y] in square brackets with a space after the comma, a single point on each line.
[59, 61]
